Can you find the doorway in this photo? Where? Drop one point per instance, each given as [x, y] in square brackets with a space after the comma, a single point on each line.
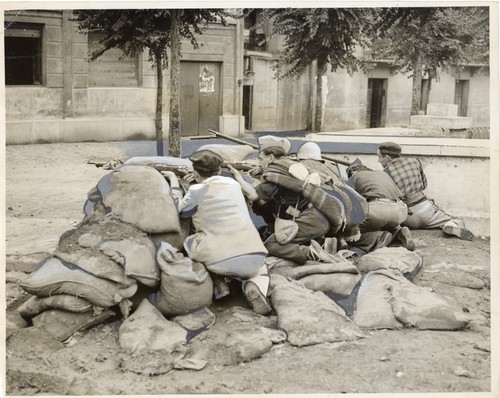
[462, 96]
[200, 97]
[247, 106]
[376, 103]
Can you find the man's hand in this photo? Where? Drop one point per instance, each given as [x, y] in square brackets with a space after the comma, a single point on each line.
[189, 178]
[255, 171]
[172, 178]
[248, 190]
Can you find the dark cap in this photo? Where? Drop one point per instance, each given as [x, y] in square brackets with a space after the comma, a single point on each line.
[356, 166]
[206, 162]
[389, 148]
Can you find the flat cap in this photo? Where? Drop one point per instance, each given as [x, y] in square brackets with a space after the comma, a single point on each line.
[206, 161]
[389, 148]
[269, 141]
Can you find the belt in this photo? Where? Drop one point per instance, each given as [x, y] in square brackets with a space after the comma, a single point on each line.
[384, 200]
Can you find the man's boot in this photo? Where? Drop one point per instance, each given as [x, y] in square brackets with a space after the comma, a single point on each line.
[256, 299]
[317, 253]
[404, 236]
[457, 228]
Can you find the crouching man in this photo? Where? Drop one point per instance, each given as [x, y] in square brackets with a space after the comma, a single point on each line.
[225, 239]
[386, 211]
[409, 176]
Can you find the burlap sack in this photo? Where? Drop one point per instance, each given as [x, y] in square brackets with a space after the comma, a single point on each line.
[53, 277]
[185, 284]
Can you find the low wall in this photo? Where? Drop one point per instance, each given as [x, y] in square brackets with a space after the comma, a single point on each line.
[99, 129]
[457, 170]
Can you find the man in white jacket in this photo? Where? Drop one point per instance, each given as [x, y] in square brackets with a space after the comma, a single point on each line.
[226, 240]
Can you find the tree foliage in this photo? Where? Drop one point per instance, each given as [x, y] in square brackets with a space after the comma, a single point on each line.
[327, 36]
[440, 37]
[430, 39]
[135, 30]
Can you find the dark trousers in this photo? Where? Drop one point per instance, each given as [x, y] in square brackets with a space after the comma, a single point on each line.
[312, 225]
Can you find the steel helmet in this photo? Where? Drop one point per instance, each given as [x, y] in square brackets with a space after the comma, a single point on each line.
[309, 150]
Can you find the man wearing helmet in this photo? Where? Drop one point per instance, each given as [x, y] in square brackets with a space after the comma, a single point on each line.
[309, 155]
[271, 200]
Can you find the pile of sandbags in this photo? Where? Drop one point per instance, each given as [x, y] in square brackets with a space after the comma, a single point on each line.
[105, 260]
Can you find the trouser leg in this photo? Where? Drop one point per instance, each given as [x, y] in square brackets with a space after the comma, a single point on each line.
[312, 224]
[261, 279]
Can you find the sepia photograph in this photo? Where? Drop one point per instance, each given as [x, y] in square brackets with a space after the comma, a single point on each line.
[214, 199]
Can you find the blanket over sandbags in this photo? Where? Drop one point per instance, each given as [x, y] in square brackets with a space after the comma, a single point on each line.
[400, 258]
[109, 248]
[230, 153]
[185, 284]
[387, 300]
[139, 195]
[310, 317]
[147, 330]
[53, 277]
[158, 161]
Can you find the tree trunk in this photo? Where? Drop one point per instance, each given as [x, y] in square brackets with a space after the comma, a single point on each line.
[159, 104]
[318, 112]
[174, 142]
[417, 85]
[428, 93]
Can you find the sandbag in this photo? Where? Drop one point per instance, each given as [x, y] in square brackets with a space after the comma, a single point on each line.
[230, 153]
[185, 284]
[343, 265]
[139, 195]
[373, 307]
[147, 330]
[96, 264]
[310, 317]
[400, 258]
[53, 277]
[139, 259]
[416, 306]
[338, 283]
[109, 248]
[35, 305]
[63, 324]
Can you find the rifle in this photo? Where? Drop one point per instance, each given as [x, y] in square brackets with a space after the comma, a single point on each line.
[254, 146]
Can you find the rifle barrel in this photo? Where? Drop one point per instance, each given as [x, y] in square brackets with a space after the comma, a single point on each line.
[229, 138]
[254, 146]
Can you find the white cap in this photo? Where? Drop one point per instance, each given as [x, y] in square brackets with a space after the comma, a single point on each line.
[269, 141]
[309, 150]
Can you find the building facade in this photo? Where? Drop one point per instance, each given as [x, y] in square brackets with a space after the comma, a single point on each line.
[54, 94]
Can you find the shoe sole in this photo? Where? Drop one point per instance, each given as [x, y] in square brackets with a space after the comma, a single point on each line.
[258, 302]
[406, 239]
[461, 233]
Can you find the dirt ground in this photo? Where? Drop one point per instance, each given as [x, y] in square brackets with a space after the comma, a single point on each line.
[46, 187]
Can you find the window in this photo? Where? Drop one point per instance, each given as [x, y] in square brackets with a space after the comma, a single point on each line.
[23, 54]
[113, 68]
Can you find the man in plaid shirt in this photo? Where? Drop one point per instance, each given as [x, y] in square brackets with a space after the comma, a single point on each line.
[408, 174]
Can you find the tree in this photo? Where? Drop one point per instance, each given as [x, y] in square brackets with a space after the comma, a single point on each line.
[426, 40]
[324, 36]
[157, 30]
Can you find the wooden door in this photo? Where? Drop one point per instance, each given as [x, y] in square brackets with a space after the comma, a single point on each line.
[376, 103]
[462, 96]
[200, 97]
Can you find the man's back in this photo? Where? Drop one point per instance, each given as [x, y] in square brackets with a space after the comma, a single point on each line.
[409, 176]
